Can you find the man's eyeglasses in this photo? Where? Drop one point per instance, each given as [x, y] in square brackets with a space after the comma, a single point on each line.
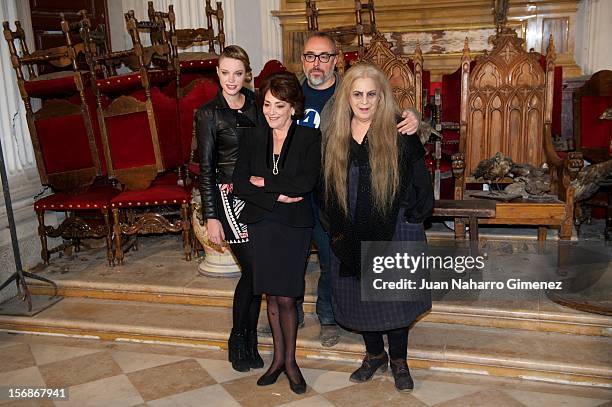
[324, 58]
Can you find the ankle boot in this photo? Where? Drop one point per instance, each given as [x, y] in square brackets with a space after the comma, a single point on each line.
[237, 351]
[255, 361]
[401, 375]
[370, 365]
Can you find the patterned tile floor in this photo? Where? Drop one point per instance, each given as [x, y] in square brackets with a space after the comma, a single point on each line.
[116, 374]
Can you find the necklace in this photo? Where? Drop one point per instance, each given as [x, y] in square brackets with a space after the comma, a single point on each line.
[275, 161]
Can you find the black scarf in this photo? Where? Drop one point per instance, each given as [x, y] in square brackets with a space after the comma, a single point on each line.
[368, 223]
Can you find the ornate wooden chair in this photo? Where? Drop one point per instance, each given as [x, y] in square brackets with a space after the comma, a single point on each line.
[405, 76]
[66, 140]
[346, 35]
[201, 65]
[506, 106]
[592, 134]
[142, 142]
[137, 118]
[64, 105]
[593, 137]
[197, 79]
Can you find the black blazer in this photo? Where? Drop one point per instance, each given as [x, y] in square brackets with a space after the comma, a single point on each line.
[299, 167]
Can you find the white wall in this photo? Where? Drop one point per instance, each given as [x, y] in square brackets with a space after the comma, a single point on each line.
[247, 23]
[593, 35]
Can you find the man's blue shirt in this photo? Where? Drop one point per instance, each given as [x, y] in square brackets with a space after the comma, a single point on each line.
[315, 101]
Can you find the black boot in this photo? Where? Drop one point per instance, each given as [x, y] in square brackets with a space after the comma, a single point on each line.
[401, 375]
[370, 365]
[237, 351]
[255, 361]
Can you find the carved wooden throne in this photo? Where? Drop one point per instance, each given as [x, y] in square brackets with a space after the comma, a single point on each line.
[506, 106]
[405, 76]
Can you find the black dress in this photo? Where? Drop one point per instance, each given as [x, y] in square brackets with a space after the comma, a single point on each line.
[349, 309]
[279, 233]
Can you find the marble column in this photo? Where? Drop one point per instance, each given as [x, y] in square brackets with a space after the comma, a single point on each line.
[271, 34]
[18, 155]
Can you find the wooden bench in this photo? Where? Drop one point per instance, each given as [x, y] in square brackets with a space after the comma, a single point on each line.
[472, 209]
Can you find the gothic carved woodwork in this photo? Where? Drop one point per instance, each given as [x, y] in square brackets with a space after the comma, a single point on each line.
[506, 106]
[406, 84]
[440, 28]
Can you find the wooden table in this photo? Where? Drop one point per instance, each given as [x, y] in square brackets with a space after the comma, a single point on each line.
[472, 209]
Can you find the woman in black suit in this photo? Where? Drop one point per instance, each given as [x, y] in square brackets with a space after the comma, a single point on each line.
[277, 166]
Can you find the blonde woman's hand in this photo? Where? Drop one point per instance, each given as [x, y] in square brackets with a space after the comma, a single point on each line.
[287, 199]
[257, 181]
[215, 233]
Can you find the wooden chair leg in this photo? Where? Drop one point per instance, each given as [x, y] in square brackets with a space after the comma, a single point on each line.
[109, 239]
[459, 229]
[542, 232]
[565, 231]
[186, 231]
[131, 219]
[117, 233]
[42, 234]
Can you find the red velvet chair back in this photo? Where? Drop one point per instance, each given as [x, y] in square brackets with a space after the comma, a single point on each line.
[195, 95]
[65, 138]
[592, 132]
[270, 67]
[139, 121]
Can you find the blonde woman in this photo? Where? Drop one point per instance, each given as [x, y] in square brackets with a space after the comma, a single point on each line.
[389, 194]
[220, 124]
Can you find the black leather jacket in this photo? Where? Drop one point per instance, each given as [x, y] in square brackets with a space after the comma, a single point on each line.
[218, 136]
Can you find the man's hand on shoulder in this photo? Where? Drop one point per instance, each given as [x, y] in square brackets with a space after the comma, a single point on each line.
[410, 122]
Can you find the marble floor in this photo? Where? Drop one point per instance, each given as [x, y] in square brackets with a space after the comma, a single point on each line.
[99, 373]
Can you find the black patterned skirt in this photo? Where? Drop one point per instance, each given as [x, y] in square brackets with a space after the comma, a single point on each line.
[353, 313]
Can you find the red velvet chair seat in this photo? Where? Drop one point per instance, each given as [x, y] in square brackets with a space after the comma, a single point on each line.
[131, 82]
[95, 198]
[197, 69]
[54, 85]
[157, 194]
[199, 64]
[167, 178]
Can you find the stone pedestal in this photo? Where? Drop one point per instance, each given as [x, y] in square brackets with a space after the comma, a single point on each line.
[215, 263]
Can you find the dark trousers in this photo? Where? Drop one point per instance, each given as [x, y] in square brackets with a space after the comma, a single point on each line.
[397, 338]
[324, 292]
[245, 309]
